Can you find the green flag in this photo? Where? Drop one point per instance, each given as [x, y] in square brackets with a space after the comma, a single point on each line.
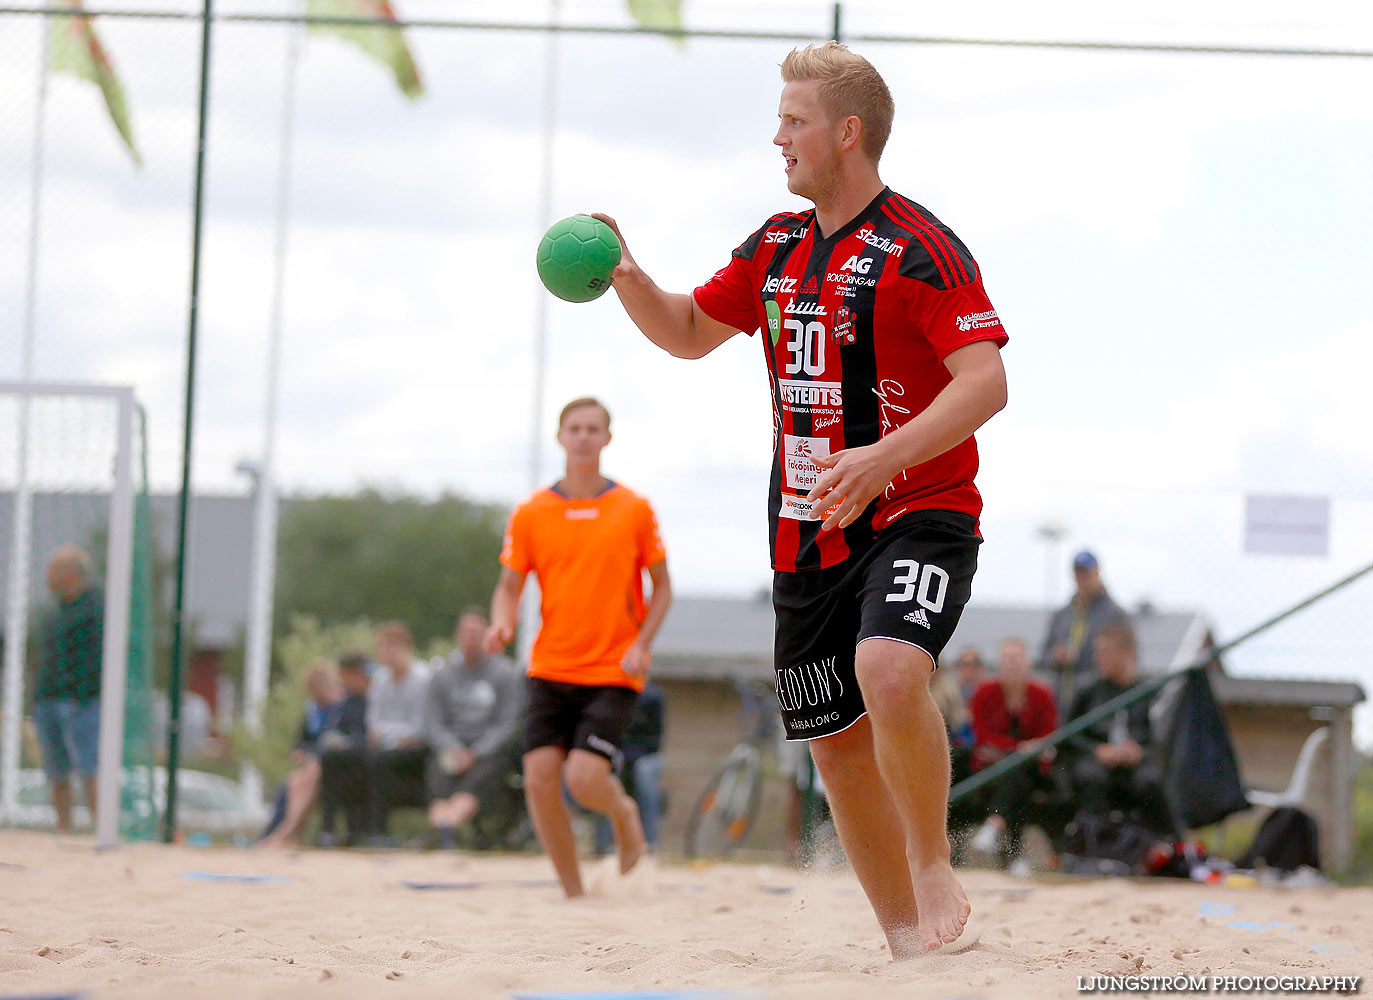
[77, 50]
[658, 15]
[386, 44]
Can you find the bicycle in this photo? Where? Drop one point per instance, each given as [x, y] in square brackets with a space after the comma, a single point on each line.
[724, 814]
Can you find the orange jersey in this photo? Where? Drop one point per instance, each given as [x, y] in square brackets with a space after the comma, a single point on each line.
[589, 556]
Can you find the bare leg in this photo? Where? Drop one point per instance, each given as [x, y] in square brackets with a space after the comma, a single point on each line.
[92, 788]
[592, 784]
[302, 788]
[543, 792]
[62, 804]
[912, 751]
[871, 831]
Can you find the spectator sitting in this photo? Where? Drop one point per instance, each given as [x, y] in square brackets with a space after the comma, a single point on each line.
[66, 710]
[368, 782]
[1109, 764]
[332, 720]
[642, 768]
[1068, 654]
[472, 724]
[395, 724]
[970, 672]
[355, 673]
[1012, 711]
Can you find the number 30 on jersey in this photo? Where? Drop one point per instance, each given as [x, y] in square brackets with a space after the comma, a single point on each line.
[929, 586]
[807, 347]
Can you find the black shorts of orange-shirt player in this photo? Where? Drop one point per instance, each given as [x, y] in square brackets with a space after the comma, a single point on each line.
[910, 585]
[578, 717]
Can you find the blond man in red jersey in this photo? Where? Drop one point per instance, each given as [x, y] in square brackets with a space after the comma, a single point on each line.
[588, 540]
[883, 353]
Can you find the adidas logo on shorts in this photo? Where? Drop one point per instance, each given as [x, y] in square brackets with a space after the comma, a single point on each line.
[918, 617]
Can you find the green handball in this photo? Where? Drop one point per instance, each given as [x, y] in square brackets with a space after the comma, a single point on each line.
[576, 257]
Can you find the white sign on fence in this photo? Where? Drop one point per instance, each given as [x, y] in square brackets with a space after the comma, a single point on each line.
[1287, 526]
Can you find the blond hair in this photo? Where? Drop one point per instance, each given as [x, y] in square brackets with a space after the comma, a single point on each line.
[948, 699]
[320, 672]
[577, 404]
[849, 86]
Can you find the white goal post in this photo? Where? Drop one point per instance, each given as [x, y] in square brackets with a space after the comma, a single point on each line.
[117, 584]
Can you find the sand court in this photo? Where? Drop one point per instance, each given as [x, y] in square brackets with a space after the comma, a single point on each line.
[163, 922]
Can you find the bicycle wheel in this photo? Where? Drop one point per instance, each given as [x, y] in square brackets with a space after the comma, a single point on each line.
[726, 809]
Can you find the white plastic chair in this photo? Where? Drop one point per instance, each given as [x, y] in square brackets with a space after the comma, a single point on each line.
[1295, 793]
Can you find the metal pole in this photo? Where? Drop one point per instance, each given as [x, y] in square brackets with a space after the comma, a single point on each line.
[183, 503]
[115, 652]
[21, 552]
[257, 667]
[529, 604]
[838, 33]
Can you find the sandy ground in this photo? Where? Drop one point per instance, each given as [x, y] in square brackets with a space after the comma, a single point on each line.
[137, 922]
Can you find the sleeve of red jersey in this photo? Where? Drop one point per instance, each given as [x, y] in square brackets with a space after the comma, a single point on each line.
[515, 548]
[650, 541]
[951, 318]
[730, 296]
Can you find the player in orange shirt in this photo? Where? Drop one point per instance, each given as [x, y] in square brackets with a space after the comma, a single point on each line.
[588, 540]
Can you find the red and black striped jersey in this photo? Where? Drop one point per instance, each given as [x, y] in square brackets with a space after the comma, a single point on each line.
[858, 326]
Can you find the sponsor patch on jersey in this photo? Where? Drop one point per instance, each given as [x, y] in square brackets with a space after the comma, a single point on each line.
[798, 508]
[774, 320]
[822, 402]
[798, 455]
[978, 321]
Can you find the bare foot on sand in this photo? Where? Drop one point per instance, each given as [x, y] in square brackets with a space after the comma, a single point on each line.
[942, 903]
[630, 843]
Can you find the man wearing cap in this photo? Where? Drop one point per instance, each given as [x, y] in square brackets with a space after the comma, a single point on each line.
[1067, 656]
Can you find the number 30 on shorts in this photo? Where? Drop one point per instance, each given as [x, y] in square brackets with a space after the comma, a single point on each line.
[929, 586]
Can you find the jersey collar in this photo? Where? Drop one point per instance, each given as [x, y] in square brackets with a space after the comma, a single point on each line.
[848, 228]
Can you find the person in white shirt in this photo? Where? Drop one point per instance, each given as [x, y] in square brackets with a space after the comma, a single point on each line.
[395, 724]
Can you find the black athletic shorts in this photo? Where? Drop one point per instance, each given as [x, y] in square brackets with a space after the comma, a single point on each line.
[911, 586]
[578, 717]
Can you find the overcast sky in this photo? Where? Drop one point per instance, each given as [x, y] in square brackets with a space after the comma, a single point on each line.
[1179, 246]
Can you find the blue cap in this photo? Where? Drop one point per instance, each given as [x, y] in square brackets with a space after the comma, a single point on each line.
[1084, 560]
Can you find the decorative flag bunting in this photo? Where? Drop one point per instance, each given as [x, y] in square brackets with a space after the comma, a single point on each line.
[76, 49]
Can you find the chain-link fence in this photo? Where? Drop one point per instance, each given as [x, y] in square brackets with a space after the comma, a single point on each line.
[1178, 242]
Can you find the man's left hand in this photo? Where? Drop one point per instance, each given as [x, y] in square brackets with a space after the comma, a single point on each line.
[852, 479]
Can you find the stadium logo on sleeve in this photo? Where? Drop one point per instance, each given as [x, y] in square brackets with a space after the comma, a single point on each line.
[783, 235]
[881, 242]
[978, 321]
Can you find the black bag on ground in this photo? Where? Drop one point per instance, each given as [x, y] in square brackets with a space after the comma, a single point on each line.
[1287, 840]
[1201, 776]
[1106, 845]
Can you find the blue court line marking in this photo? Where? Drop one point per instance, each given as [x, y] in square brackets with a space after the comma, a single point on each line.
[1249, 925]
[1211, 908]
[231, 877]
[493, 883]
[1214, 908]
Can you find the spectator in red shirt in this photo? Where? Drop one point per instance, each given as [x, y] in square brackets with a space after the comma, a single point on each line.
[1012, 711]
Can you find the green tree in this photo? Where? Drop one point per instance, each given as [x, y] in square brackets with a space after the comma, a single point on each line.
[384, 556]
